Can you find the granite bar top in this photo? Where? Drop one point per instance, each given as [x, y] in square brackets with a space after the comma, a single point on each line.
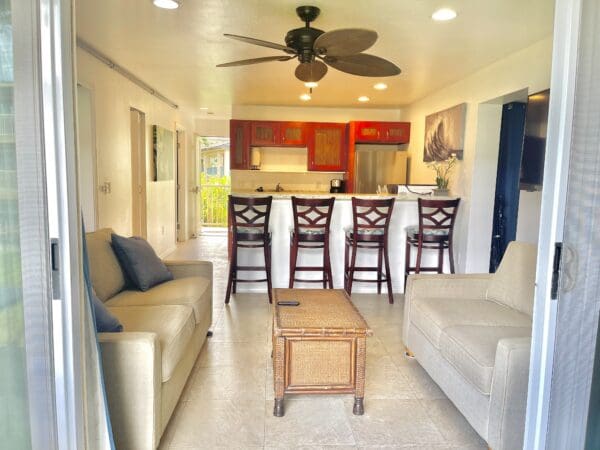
[286, 195]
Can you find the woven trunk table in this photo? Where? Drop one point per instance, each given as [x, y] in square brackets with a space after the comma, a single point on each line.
[319, 346]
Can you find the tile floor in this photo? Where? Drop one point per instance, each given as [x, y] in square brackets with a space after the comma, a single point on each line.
[228, 400]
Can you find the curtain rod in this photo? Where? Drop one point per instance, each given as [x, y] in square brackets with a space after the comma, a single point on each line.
[123, 71]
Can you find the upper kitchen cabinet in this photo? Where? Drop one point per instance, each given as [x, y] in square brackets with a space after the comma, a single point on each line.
[239, 135]
[278, 134]
[327, 147]
[382, 132]
[265, 134]
[293, 134]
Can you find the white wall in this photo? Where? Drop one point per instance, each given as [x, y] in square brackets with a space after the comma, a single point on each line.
[474, 178]
[114, 96]
[528, 219]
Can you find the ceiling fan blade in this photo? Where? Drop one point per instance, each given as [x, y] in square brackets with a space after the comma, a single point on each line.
[344, 42]
[260, 42]
[363, 65]
[245, 62]
[311, 71]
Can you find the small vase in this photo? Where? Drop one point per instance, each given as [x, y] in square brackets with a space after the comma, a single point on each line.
[437, 192]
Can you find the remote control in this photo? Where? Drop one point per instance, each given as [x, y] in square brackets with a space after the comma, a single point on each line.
[288, 303]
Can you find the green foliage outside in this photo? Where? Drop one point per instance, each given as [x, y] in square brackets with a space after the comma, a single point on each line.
[213, 199]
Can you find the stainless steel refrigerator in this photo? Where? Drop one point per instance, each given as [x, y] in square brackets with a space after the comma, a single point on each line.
[378, 166]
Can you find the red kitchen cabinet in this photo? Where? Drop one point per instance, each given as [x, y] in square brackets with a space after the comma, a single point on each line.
[382, 132]
[327, 147]
[265, 134]
[239, 136]
[293, 134]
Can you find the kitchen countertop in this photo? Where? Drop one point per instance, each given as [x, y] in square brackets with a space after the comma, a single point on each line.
[403, 197]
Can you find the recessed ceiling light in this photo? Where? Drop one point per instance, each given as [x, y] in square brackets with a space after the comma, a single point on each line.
[380, 86]
[311, 84]
[363, 98]
[166, 4]
[203, 107]
[305, 97]
[443, 14]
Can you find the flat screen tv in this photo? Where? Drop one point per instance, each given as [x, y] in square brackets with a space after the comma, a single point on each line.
[534, 142]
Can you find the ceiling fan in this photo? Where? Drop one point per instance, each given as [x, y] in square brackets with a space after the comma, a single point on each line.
[315, 49]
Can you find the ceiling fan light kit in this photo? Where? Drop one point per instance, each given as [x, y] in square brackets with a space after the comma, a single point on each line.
[316, 50]
[167, 4]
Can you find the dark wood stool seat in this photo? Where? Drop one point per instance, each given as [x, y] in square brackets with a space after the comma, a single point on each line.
[371, 219]
[249, 221]
[434, 231]
[311, 231]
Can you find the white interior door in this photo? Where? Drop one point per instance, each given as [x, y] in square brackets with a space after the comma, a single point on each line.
[138, 173]
[181, 187]
[86, 152]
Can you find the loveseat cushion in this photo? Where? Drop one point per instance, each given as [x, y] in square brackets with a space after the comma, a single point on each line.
[194, 292]
[173, 324]
[433, 315]
[471, 349]
[513, 283]
[107, 277]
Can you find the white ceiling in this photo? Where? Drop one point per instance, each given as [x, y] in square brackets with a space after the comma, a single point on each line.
[176, 51]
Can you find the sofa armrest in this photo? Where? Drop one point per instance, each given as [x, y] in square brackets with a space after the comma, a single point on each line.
[463, 286]
[182, 269]
[132, 376]
[508, 397]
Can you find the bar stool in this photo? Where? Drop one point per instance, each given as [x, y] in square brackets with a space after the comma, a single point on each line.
[371, 220]
[311, 230]
[434, 231]
[249, 218]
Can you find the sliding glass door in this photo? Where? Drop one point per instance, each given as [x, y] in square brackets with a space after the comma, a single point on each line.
[14, 410]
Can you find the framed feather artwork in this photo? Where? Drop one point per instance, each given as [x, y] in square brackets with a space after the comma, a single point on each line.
[445, 134]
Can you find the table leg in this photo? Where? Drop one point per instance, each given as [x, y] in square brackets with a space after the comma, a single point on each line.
[361, 359]
[278, 375]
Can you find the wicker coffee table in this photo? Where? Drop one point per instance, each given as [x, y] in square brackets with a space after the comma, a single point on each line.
[319, 346]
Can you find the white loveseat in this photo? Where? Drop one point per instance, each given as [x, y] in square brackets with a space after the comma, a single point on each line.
[146, 366]
[472, 334]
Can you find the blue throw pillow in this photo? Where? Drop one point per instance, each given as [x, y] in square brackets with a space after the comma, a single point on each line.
[139, 261]
[106, 322]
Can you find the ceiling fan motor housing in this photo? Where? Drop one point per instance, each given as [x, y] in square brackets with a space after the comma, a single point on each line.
[303, 39]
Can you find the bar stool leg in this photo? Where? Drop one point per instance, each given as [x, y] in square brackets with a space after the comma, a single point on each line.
[328, 264]
[293, 260]
[232, 268]
[451, 255]
[346, 264]
[324, 268]
[419, 254]
[379, 268]
[440, 266]
[267, 248]
[406, 261]
[388, 276]
[351, 269]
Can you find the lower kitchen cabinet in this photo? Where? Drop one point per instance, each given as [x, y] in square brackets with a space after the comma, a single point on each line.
[327, 147]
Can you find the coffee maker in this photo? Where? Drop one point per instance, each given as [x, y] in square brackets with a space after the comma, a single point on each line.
[337, 186]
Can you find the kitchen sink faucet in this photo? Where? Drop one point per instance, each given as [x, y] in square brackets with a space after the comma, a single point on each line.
[278, 188]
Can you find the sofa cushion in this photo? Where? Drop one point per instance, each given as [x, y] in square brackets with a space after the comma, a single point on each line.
[173, 324]
[106, 322]
[140, 262]
[433, 315]
[471, 349]
[107, 277]
[191, 291]
[514, 282]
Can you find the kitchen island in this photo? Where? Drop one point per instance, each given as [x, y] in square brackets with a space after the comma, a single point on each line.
[281, 223]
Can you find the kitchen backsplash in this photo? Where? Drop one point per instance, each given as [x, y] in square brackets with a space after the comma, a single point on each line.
[248, 180]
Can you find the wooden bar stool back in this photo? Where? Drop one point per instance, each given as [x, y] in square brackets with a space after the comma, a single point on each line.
[435, 231]
[249, 219]
[371, 220]
[311, 230]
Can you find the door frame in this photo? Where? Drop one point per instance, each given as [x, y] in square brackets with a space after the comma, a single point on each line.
[180, 184]
[556, 168]
[139, 177]
[93, 226]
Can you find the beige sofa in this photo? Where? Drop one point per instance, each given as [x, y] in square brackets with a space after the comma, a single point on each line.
[146, 366]
[472, 334]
